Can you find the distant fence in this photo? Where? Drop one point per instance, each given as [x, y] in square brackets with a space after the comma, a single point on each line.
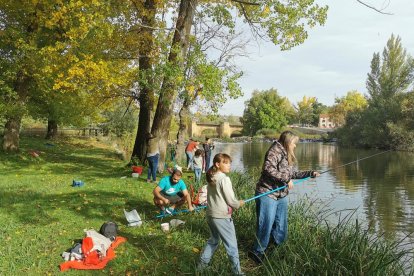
[87, 131]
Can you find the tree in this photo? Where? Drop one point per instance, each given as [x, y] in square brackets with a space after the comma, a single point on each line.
[173, 78]
[283, 23]
[304, 110]
[54, 57]
[383, 123]
[207, 83]
[120, 118]
[147, 12]
[352, 102]
[265, 110]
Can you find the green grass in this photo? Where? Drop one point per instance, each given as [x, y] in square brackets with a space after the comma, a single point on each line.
[42, 215]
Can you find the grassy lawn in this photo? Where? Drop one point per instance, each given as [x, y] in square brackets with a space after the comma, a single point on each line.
[42, 215]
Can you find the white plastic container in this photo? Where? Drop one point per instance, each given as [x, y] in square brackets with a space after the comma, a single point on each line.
[165, 227]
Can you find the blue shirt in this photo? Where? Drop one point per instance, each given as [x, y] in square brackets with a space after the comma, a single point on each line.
[167, 188]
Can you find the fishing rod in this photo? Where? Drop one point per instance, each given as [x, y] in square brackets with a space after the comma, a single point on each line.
[306, 178]
[277, 189]
[378, 153]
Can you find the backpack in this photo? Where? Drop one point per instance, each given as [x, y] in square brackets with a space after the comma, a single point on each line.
[200, 198]
[109, 229]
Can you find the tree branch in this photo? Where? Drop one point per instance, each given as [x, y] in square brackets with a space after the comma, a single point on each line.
[375, 9]
[245, 2]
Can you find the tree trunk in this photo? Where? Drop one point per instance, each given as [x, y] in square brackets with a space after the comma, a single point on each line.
[146, 96]
[11, 134]
[183, 117]
[52, 129]
[11, 137]
[168, 93]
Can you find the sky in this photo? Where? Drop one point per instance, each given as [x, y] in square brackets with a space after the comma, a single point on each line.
[333, 60]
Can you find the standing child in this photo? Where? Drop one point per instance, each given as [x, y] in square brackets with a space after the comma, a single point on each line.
[221, 201]
[198, 164]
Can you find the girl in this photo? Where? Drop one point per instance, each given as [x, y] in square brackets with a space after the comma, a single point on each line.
[221, 201]
[271, 210]
[198, 164]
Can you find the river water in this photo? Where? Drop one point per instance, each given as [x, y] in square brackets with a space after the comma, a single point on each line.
[380, 189]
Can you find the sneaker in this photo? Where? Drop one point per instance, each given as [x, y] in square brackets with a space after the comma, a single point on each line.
[162, 212]
[256, 257]
[202, 267]
[170, 211]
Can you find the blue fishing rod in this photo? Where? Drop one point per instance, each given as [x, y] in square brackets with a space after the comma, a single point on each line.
[277, 189]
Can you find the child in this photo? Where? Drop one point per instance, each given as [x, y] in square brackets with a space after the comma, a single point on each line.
[221, 201]
[198, 164]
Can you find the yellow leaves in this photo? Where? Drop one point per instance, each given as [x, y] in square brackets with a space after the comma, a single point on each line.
[190, 89]
[196, 250]
[75, 72]
[266, 11]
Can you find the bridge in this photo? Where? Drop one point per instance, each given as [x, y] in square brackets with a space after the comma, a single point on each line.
[224, 129]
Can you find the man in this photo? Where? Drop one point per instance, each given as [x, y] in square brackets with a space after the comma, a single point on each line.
[208, 147]
[171, 191]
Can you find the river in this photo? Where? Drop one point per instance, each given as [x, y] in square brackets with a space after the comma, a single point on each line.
[380, 189]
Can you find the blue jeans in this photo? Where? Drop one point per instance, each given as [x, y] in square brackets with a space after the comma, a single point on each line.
[271, 219]
[222, 229]
[197, 173]
[152, 166]
[189, 159]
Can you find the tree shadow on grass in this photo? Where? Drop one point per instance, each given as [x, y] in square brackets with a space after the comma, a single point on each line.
[30, 207]
[62, 159]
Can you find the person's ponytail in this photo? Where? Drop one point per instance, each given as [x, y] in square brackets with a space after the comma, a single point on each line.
[210, 173]
[218, 158]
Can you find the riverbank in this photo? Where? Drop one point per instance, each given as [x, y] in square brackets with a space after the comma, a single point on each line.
[43, 215]
[260, 139]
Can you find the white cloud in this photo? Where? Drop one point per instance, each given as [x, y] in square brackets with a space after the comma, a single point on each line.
[333, 60]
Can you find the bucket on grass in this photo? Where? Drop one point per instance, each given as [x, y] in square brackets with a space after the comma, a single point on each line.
[137, 169]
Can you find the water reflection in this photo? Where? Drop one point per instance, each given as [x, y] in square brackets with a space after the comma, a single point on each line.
[381, 187]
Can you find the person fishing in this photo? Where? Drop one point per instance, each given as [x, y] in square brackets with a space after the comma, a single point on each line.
[221, 201]
[279, 168]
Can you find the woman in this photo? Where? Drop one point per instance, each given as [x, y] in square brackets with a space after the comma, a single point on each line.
[271, 210]
[189, 151]
[153, 154]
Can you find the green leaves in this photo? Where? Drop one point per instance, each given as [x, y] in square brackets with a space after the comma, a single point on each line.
[387, 121]
[284, 22]
[266, 109]
[352, 102]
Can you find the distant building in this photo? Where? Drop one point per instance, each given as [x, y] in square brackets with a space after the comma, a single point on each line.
[325, 122]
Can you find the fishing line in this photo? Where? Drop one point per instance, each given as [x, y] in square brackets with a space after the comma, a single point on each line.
[277, 189]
